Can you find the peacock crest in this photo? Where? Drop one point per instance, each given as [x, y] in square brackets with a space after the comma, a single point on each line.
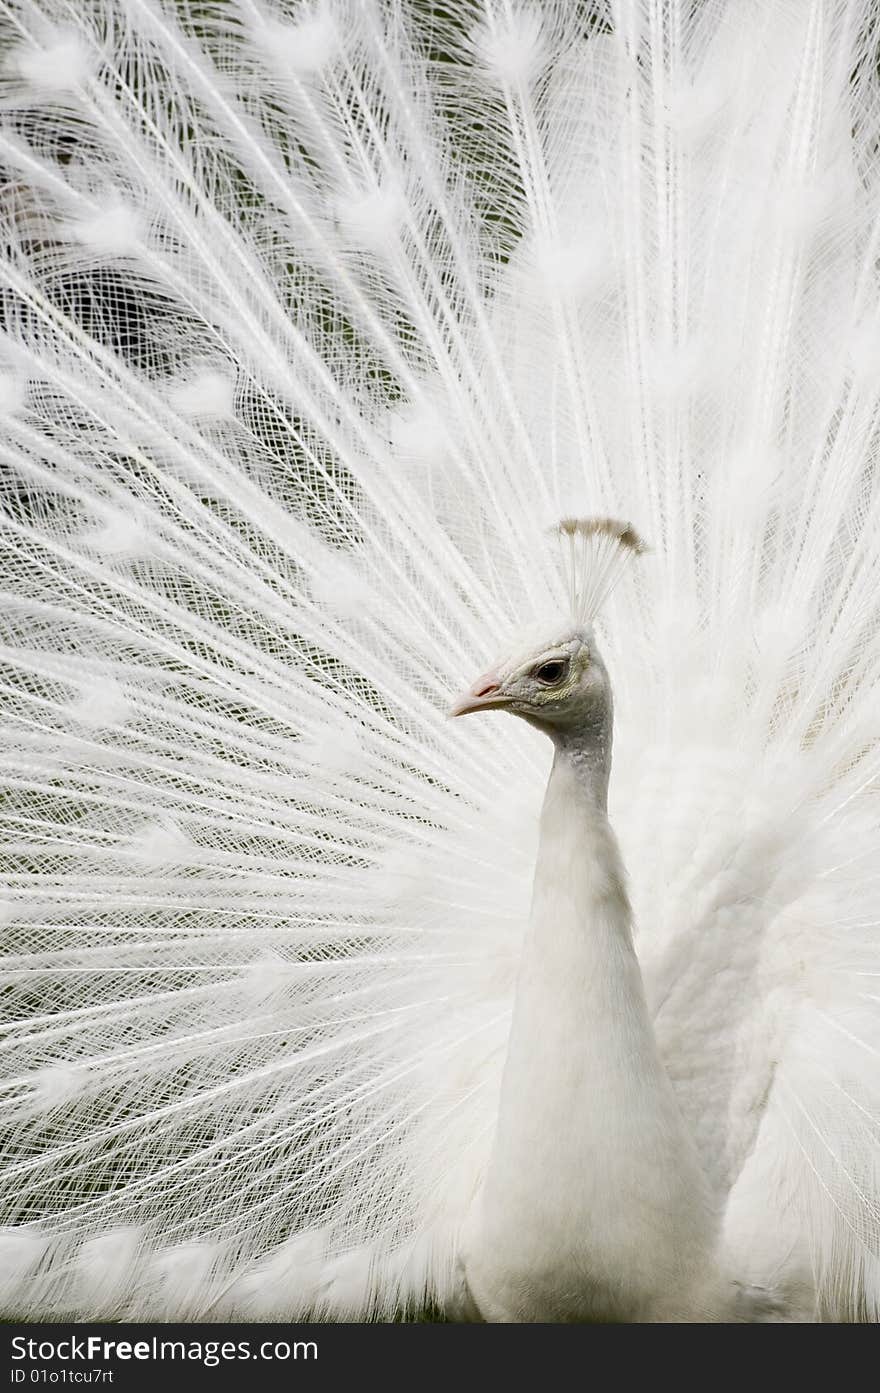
[595, 552]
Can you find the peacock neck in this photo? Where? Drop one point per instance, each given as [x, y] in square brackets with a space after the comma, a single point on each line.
[586, 765]
[593, 1206]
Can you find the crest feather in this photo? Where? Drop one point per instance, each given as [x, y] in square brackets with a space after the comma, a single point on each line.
[595, 552]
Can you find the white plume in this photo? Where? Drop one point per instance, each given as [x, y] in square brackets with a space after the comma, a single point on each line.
[316, 318]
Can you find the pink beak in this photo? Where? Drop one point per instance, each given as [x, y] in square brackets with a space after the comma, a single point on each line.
[483, 695]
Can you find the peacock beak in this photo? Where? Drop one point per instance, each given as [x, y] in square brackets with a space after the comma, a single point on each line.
[483, 695]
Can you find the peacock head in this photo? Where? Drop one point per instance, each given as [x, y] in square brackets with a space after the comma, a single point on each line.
[558, 681]
[555, 682]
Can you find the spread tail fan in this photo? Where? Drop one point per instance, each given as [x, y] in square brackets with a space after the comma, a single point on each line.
[315, 317]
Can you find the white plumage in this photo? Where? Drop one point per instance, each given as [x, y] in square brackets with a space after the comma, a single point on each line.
[316, 317]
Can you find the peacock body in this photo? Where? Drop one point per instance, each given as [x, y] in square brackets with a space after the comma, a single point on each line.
[316, 317]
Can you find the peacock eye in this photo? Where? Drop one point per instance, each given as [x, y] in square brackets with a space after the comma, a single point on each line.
[551, 673]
